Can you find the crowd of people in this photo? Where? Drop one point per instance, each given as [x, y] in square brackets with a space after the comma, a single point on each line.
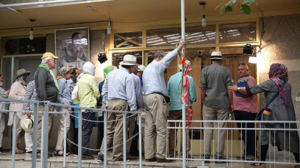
[131, 87]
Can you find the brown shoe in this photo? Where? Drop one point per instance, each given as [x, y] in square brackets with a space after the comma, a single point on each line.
[151, 160]
[87, 157]
[162, 160]
[38, 155]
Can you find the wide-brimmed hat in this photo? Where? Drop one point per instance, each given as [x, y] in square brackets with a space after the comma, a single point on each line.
[65, 69]
[21, 72]
[141, 68]
[27, 123]
[188, 63]
[216, 55]
[129, 60]
[49, 54]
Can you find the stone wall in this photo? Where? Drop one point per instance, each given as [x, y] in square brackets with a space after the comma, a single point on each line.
[281, 44]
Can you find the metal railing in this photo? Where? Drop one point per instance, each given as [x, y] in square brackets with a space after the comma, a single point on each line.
[44, 137]
[235, 150]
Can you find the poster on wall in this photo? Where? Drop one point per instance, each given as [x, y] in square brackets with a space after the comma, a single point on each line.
[72, 47]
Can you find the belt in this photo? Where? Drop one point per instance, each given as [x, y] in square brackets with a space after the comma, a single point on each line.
[167, 99]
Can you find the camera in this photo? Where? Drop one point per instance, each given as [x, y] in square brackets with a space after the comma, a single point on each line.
[102, 57]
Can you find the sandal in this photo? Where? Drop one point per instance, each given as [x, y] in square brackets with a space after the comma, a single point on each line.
[60, 153]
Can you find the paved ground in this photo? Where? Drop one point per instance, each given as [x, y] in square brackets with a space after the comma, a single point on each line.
[24, 161]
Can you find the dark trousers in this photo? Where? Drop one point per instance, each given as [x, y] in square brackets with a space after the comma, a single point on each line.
[264, 151]
[249, 137]
[87, 128]
[100, 133]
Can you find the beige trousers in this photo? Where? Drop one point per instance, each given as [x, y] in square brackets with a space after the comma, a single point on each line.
[60, 138]
[50, 121]
[115, 128]
[173, 141]
[210, 113]
[155, 126]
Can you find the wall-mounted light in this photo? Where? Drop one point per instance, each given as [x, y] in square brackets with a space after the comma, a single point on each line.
[31, 36]
[203, 20]
[248, 49]
[253, 59]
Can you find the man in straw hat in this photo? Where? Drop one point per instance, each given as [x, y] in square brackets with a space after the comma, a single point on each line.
[18, 91]
[215, 98]
[47, 89]
[156, 99]
[175, 111]
[64, 85]
[119, 88]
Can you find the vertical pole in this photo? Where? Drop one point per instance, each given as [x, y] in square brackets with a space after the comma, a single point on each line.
[124, 140]
[65, 136]
[79, 137]
[105, 138]
[183, 105]
[35, 132]
[140, 140]
[14, 140]
[44, 145]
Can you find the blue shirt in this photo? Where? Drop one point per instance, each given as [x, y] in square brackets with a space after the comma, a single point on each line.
[64, 90]
[174, 89]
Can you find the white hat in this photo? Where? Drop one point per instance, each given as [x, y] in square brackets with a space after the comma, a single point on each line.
[21, 72]
[141, 68]
[188, 63]
[216, 55]
[27, 123]
[129, 60]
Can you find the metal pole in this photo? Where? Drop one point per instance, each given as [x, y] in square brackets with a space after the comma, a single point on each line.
[14, 140]
[140, 140]
[105, 138]
[79, 137]
[124, 140]
[44, 146]
[183, 105]
[65, 136]
[35, 132]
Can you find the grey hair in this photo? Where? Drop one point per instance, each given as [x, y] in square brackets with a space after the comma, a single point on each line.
[159, 53]
[45, 60]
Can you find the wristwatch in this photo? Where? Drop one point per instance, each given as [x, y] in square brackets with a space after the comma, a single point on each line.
[239, 88]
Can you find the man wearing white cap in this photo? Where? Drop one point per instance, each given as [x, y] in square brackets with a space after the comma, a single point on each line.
[119, 88]
[175, 111]
[156, 99]
[140, 71]
[215, 98]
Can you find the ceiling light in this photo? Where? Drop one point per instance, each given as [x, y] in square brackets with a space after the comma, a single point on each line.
[203, 20]
[108, 29]
[31, 36]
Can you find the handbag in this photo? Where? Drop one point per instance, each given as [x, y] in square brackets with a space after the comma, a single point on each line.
[259, 115]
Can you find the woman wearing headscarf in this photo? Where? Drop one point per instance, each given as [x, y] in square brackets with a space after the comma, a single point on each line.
[18, 91]
[277, 92]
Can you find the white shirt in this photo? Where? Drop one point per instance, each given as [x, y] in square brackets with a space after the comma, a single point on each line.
[138, 91]
[119, 84]
[153, 76]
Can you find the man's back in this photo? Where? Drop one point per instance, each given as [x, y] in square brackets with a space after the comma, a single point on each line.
[215, 80]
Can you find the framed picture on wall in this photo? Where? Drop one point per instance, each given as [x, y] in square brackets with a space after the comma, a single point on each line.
[72, 46]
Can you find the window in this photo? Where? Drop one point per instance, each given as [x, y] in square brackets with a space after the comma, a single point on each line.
[125, 40]
[25, 46]
[237, 32]
[171, 36]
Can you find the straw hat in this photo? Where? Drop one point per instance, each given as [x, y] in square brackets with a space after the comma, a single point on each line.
[65, 69]
[129, 60]
[21, 72]
[216, 55]
[27, 123]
